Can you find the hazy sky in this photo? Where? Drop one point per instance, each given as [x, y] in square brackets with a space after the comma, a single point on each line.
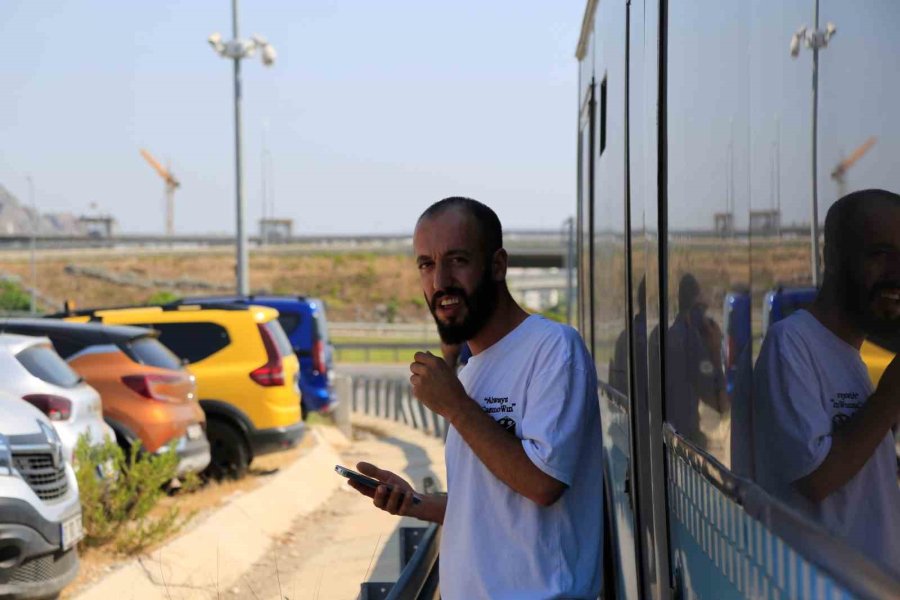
[374, 109]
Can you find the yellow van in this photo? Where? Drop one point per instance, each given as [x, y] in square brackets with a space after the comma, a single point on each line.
[246, 370]
[877, 353]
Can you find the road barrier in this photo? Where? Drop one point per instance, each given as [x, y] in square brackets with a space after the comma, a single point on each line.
[418, 568]
[391, 397]
[382, 349]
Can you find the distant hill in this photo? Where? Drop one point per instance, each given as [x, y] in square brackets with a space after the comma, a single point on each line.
[16, 219]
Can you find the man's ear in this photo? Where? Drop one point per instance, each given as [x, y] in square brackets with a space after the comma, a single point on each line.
[499, 263]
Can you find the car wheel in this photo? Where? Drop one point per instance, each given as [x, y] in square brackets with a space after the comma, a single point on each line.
[229, 455]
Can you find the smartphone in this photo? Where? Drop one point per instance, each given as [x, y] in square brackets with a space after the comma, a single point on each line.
[366, 481]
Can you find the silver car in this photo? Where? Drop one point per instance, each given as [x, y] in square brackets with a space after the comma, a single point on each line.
[32, 370]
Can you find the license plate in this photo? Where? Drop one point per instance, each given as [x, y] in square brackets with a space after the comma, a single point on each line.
[194, 432]
[72, 531]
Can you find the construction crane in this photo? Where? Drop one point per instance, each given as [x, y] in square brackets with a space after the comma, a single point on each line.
[171, 185]
[841, 169]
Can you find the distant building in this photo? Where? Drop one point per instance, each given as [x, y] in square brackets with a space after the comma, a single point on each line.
[766, 222]
[724, 223]
[276, 231]
[100, 226]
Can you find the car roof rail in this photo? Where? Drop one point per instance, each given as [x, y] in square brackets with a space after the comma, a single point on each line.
[207, 305]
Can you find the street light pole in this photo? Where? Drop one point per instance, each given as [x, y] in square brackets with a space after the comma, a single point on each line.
[243, 280]
[237, 49]
[814, 40]
[815, 154]
[34, 225]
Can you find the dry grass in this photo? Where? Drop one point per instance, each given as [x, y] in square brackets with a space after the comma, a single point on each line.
[364, 287]
[96, 562]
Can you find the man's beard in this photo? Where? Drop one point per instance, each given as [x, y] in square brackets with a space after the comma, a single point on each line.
[480, 305]
[861, 306]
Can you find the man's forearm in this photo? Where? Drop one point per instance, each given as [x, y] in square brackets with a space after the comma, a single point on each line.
[503, 454]
[852, 445]
[431, 509]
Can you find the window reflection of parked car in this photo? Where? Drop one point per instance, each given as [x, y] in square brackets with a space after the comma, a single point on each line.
[145, 391]
[247, 375]
[305, 323]
[32, 370]
[736, 317]
[40, 513]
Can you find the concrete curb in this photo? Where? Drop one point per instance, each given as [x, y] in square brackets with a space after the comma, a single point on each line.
[213, 555]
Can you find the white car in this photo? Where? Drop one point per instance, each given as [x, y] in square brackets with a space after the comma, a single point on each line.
[40, 513]
[32, 370]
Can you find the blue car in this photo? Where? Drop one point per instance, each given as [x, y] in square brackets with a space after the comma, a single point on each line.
[304, 321]
[736, 313]
[784, 301]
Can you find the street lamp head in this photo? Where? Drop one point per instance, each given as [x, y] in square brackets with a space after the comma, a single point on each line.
[215, 40]
[796, 40]
[268, 55]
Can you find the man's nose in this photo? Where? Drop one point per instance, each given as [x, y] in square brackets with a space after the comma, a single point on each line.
[442, 277]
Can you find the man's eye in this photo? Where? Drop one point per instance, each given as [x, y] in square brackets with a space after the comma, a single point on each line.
[423, 266]
[460, 261]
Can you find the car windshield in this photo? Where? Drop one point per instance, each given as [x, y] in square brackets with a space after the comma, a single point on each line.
[149, 351]
[45, 364]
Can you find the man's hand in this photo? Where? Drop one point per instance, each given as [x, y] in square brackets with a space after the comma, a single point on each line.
[398, 501]
[436, 386]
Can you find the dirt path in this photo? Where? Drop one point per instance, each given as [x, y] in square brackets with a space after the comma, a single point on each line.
[327, 554]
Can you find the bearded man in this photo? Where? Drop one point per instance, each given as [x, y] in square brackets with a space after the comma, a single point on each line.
[523, 516]
[822, 437]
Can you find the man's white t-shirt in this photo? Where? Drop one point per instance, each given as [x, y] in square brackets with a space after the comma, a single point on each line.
[807, 381]
[538, 382]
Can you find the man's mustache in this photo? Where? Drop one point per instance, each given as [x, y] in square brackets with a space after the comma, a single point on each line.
[448, 292]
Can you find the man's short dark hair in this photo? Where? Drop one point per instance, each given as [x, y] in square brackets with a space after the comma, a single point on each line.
[843, 223]
[488, 222]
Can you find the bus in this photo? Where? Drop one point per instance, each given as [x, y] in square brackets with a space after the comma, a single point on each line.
[712, 137]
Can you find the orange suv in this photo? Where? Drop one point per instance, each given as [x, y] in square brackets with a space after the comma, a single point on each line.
[146, 392]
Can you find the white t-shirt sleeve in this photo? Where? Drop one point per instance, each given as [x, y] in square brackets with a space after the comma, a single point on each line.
[556, 421]
[794, 429]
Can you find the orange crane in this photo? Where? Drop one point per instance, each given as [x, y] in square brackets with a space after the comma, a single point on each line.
[841, 169]
[171, 185]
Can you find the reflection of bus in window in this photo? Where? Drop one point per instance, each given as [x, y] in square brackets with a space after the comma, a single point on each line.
[702, 166]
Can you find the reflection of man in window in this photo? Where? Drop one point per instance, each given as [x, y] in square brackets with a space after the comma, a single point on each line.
[693, 363]
[822, 437]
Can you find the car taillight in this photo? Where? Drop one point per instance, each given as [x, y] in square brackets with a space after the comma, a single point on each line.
[56, 408]
[318, 356]
[271, 373]
[730, 352]
[148, 386]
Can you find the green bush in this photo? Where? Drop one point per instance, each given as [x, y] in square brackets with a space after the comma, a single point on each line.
[116, 509]
[13, 297]
[163, 297]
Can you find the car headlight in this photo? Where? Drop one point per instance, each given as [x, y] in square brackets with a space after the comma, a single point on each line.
[6, 466]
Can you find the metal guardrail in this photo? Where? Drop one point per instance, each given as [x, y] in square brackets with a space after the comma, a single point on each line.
[758, 545]
[392, 398]
[368, 348]
[418, 568]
